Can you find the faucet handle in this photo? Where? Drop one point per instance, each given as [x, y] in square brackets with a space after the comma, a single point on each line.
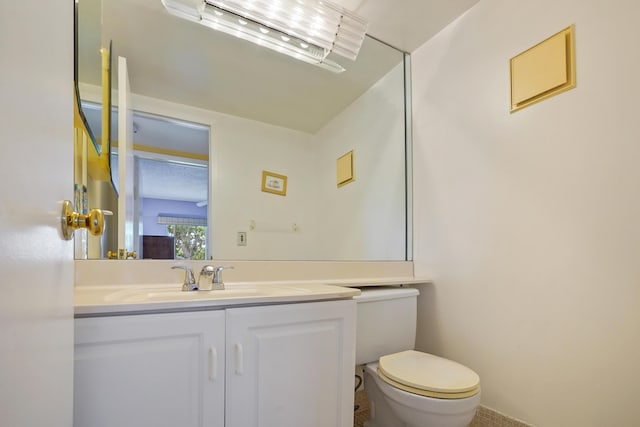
[189, 283]
[217, 274]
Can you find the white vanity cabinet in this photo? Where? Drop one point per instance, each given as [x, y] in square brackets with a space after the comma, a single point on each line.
[160, 370]
[269, 366]
[291, 365]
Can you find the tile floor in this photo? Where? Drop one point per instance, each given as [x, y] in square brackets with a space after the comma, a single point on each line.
[485, 417]
[361, 413]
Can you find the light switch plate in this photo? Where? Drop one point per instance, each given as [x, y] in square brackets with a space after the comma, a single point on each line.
[242, 238]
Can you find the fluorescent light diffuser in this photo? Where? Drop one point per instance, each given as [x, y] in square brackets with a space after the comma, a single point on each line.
[307, 30]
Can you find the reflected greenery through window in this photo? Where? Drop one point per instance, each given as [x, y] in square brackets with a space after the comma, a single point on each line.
[190, 241]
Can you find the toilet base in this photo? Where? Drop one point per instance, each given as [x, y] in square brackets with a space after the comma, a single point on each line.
[385, 407]
[381, 414]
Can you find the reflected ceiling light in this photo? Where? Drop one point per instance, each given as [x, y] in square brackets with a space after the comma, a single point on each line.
[308, 30]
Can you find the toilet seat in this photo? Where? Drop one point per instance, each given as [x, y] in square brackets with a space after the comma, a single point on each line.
[428, 375]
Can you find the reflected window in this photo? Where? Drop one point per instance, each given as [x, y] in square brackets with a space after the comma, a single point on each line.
[190, 241]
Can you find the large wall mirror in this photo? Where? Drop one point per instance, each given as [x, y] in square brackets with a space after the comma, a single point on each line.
[236, 147]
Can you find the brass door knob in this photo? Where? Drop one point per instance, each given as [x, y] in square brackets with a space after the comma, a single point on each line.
[71, 221]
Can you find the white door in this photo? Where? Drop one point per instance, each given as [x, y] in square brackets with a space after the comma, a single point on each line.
[36, 174]
[291, 365]
[126, 173]
[160, 370]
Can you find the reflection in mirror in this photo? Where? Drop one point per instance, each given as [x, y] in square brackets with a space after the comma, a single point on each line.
[171, 185]
[88, 48]
[269, 112]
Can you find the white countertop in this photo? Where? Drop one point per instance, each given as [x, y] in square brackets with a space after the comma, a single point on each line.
[125, 299]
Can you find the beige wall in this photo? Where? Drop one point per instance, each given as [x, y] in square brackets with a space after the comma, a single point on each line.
[530, 222]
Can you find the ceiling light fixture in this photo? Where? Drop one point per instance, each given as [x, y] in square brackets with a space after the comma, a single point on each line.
[308, 30]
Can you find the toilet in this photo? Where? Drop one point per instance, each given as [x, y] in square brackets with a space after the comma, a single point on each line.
[407, 388]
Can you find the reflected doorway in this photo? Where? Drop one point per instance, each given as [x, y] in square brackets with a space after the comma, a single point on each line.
[171, 187]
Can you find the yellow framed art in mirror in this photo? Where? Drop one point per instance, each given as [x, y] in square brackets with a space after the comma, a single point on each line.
[274, 183]
[344, 169]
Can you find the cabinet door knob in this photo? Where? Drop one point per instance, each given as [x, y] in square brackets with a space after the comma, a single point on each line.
[239, 359]
[213, 364]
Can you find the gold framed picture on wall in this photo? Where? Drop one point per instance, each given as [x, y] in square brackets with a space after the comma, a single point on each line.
[544, 70]
[274, 183]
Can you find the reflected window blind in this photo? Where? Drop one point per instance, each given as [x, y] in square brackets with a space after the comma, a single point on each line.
[173, 219]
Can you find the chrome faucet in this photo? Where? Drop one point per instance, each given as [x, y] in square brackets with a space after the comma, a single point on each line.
[189, 283]
[215, 273]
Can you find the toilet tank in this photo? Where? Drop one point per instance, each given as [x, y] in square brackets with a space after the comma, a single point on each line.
[386, 322]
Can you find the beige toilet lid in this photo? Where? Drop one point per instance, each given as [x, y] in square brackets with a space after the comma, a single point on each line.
[428, 375]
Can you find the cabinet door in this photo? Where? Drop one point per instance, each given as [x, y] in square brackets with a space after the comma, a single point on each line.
[150, 370]
[291, 365]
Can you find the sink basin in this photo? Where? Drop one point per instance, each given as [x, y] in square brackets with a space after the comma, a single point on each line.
[159, 294]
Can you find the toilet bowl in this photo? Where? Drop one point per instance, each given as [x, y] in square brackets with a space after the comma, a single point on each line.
[391, 406]
[408, 388]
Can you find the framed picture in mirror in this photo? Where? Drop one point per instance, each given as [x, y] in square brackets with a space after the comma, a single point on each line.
[274, 183]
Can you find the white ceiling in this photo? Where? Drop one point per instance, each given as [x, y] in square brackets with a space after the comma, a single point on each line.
[407, 24]
[173, 59]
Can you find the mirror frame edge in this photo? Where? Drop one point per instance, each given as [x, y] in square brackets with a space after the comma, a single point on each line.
[408, 141]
